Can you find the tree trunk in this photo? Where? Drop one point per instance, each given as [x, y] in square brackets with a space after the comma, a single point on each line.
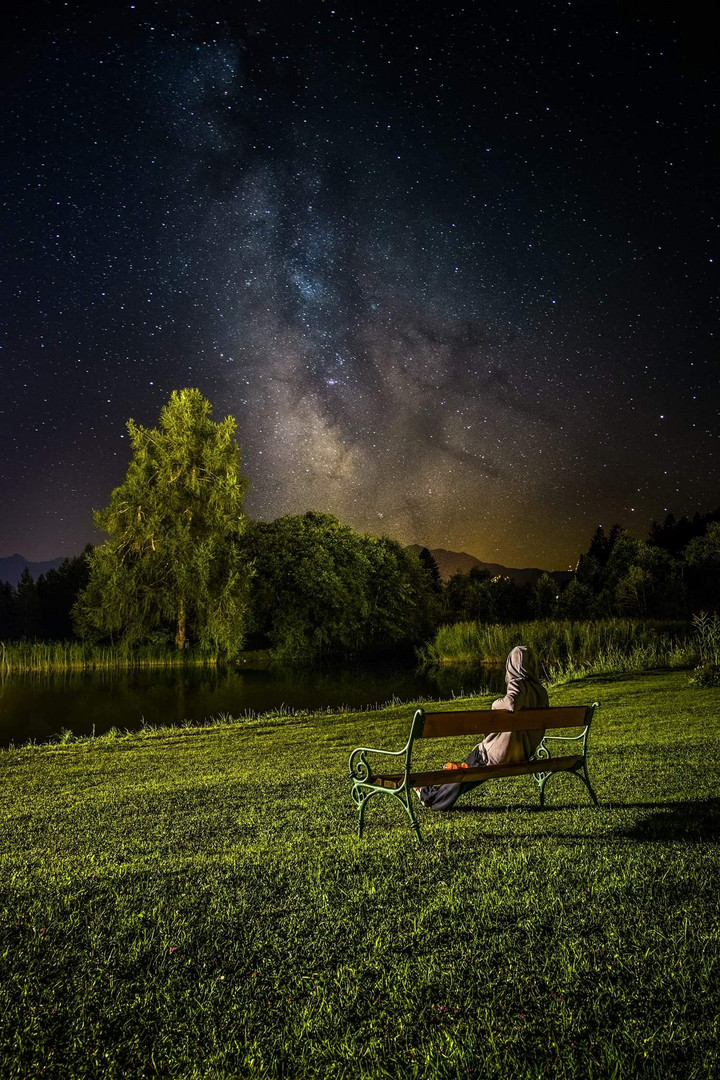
[180, 636]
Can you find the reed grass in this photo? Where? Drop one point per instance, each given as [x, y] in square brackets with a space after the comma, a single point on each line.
[570, 648]
[25, 657]
[707, 637]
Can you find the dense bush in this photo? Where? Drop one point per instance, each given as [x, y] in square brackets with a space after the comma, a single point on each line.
[318, 587]
[706, 675]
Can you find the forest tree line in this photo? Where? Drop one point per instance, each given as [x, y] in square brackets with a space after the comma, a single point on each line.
[184, 565]
[318, 586]
[672, 574]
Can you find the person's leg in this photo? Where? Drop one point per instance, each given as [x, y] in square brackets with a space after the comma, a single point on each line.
[444, 796]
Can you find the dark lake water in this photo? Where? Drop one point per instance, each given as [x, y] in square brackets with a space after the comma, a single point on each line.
[37, 707]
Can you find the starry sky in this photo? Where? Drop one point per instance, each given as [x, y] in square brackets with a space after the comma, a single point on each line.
[452, 267]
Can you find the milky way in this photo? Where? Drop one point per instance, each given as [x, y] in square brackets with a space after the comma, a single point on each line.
[452, 273]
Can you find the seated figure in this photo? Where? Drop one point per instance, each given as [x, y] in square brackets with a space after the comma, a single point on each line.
[523, 691]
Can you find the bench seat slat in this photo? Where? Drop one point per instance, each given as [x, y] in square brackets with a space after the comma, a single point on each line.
[484, 721]
[487, 772]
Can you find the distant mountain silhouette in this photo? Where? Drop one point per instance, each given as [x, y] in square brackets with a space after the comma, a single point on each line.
[448, 562]
[459, 562]
[12, 567]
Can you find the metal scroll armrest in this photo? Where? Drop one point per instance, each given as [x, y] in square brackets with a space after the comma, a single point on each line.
[359, 767]
[542, 750]
[579, 768]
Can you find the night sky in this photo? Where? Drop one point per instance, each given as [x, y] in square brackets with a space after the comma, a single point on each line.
[452, 267]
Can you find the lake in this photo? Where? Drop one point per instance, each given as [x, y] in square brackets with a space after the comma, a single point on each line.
[37, 707]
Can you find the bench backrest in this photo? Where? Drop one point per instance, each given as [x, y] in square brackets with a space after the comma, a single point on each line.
[442, 725]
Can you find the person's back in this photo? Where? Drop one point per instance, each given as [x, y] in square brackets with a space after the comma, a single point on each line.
[523, 691]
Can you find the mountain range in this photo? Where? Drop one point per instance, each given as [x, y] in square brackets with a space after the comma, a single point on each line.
[459, 562]
[12, 566]
[448, 562]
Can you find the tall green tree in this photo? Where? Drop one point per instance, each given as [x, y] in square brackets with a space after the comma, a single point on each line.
[172, 557]
[576, 601]
[321, 588]
[8, 611]
[403, 604]
[432, 569]
[309, 591]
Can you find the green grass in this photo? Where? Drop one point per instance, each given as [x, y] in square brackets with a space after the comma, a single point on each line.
[195, 903]
[570, 648]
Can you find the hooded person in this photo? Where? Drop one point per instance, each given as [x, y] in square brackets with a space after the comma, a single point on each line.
[523, 691]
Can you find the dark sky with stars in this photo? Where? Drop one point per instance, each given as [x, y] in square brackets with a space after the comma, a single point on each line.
[450, 266]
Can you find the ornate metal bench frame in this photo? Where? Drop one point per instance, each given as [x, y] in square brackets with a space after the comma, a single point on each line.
[424, 725]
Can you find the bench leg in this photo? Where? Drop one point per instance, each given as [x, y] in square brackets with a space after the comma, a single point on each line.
[407, 805]
[361, 796]
[586, 780]
[583, 776]
[361, 815]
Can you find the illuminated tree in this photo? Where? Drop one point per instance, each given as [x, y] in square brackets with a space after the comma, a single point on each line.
[172, 556]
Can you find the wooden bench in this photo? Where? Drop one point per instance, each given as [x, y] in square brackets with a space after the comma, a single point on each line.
[442, 725]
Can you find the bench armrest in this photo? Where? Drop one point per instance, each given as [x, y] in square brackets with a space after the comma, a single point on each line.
[358, 764]
[564, 738]
[360, 770]
[542, 750]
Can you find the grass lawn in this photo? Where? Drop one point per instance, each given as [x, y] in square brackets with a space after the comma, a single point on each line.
[195, 903]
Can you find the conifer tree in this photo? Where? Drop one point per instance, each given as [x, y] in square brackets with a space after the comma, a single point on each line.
[172, 556]
[28, 607]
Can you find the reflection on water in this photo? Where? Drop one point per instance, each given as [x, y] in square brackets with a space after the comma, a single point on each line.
[38, 706]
